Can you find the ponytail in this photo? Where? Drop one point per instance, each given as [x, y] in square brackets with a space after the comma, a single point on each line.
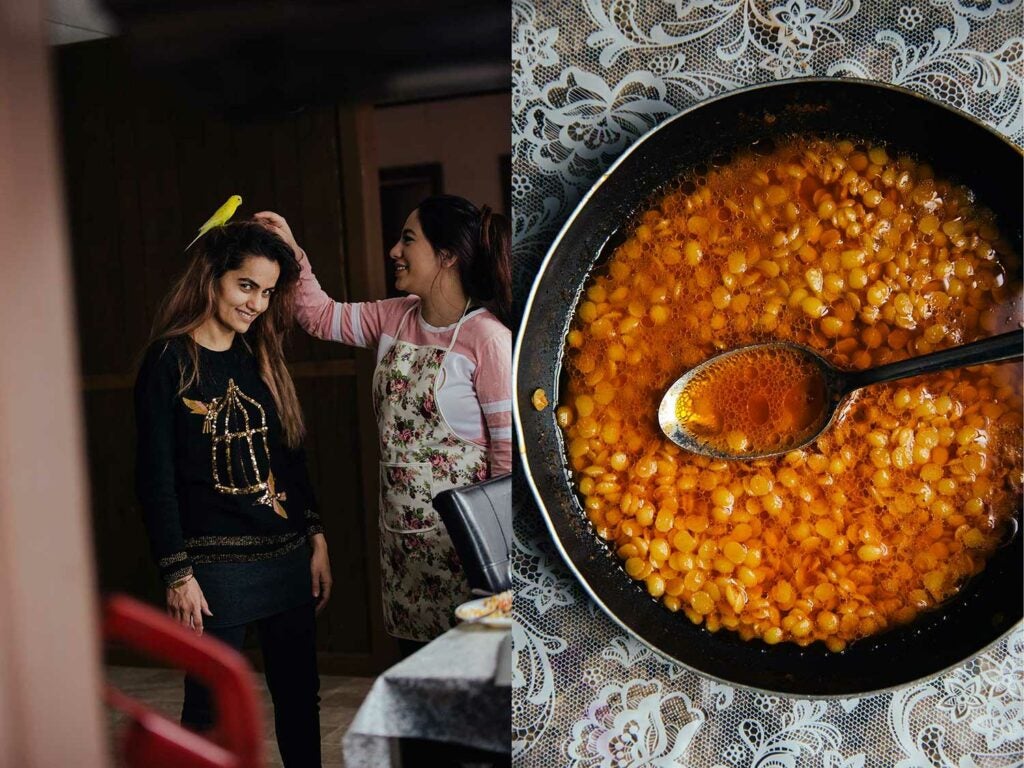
[493, 276]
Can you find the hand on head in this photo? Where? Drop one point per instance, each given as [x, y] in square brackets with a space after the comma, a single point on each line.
[277, 224]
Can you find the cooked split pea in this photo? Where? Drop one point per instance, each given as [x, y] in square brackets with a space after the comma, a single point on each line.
[867, 258]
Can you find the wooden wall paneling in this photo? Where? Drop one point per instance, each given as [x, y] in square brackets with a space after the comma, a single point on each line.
[289, 180]
[344, 626]
[107, 539]
[352, 621]
[283, 165]
[361, 216]
[203, 148]
[336, 452]
[213, 164]
[121, 543]
[94, 218]
[314, 201]
[360, 194]
[155, 160]
[205, 170]
[318, 206]
[199, 163]
[195, 164]
[137, 304]
[320, 194]
[253, 173]
[319, 431]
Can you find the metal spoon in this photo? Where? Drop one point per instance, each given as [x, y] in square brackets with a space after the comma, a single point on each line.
[838, 384]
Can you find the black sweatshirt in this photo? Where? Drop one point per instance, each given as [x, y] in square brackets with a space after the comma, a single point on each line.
[216, 482]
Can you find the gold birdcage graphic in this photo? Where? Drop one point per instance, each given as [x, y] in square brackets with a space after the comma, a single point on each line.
[237, 426]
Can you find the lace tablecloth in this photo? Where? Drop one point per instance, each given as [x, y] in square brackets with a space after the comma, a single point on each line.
[590, 77]
[453, 690]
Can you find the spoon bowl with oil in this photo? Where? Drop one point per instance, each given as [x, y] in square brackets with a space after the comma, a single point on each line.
[765, 400]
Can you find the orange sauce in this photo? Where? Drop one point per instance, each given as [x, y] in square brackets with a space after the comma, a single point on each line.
[865, 257]
[758, 400]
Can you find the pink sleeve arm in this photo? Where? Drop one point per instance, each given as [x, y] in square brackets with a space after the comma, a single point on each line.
[494, 388]
[357, 324]
[314, 309]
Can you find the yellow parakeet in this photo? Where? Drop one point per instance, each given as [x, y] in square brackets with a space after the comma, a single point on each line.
[219, 218]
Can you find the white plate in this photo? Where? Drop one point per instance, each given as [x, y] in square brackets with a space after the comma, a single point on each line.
[469, 611]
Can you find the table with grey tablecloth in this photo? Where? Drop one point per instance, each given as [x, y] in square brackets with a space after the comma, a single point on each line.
[589, 78]
[453, 690]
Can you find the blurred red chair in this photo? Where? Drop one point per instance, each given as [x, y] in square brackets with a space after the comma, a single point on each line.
[153, 741]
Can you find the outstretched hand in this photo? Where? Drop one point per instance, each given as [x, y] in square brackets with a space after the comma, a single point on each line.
[277, 224]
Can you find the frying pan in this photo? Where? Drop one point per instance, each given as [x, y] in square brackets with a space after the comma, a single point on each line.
[959, 148]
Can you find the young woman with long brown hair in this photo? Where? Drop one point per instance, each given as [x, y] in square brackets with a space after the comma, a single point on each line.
[442, 391]
[222, 478]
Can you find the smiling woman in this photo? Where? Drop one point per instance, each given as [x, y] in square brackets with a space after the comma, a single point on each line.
[222, 477]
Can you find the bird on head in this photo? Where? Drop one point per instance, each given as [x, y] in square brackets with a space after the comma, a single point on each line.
[220, 217]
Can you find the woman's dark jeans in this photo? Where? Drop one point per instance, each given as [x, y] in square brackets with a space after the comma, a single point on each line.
[288, 642]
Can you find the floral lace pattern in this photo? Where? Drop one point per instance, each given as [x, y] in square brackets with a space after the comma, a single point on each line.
[589, 78]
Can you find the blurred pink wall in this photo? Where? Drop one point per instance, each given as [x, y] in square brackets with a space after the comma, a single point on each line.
[50, 710]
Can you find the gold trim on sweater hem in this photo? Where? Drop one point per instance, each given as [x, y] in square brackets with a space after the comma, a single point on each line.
[239, 541]
[246, 557]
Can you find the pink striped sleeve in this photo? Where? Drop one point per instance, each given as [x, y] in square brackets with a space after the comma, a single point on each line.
[493, 380]
[357, 324]
[314, 309]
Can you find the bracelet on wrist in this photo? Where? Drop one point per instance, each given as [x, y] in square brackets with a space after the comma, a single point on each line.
[180, 582]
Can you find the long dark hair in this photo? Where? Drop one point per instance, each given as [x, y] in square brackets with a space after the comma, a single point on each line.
[480, 241]
[191, 301]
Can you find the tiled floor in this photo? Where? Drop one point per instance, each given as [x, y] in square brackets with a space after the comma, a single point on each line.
[340, 697]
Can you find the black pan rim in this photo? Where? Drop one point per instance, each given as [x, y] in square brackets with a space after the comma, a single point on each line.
[518, 393]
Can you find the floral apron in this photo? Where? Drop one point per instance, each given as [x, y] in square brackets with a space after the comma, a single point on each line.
[421, 456]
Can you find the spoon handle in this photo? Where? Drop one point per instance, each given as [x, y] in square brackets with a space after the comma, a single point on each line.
[1006, 346]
